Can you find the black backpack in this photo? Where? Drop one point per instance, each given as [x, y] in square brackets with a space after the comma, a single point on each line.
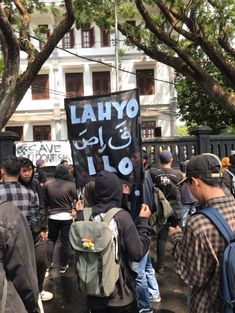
[171, 191]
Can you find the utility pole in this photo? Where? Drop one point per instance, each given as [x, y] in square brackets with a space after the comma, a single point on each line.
[116, 45]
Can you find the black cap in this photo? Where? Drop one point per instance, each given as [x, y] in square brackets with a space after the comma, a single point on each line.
[205, 165]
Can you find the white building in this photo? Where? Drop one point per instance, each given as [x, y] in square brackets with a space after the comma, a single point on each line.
[84, 64]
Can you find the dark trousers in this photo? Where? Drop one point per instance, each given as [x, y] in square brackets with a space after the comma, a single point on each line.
[62, 227]
[161, 245]
[130, 308]
[41, 256]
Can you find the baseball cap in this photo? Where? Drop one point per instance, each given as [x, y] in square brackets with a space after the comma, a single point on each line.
[165, 156]
[205, 165]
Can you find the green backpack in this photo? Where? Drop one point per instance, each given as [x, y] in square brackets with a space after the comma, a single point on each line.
[95, 241]
[163, 210]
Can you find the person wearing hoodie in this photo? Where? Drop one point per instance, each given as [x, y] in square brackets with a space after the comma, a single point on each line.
[60, 194]
[134, 242]
[26, 178]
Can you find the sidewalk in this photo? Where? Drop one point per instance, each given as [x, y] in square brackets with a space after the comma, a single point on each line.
[67, 298]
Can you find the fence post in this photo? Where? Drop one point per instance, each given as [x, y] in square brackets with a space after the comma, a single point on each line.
[7, 144]
[203, 139]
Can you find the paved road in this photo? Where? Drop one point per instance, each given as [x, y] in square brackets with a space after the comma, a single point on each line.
[67, 298]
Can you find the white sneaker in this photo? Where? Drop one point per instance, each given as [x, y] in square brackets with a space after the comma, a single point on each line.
[48, 270]
[156, 299]
[46, 295]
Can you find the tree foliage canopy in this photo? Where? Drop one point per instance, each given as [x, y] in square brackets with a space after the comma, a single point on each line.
[195, 107]
[172, 31]
[15, 35]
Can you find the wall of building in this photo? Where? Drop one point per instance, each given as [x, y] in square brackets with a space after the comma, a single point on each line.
[156, 107]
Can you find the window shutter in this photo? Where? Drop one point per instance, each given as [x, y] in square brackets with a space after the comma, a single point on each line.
[72, 39]
[40, 87]
[92, 37]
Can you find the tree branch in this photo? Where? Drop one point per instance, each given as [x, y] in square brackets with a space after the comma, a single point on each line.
[200, 38]
[173, 21]
[223, 40]
[202, 78]
[58, 33]
[25, 44]
[11, 50]
[163, 36]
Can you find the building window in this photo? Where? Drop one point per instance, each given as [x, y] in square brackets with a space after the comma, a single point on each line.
[68, 40]
[147, 129]
[101, 82]
[40, 87]
[88, 37]
[105, 37]
[42, 132]
[74, 84]
[44, 34]
[16, 129]
[145, 82]
[132, 23]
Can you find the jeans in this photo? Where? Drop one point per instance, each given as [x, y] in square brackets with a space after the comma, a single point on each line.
[188, 209]
[130, 308]
[146, 283]
[55, 227]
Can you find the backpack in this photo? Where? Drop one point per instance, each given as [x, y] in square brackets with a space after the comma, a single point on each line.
[3, 280]
[3, 288]
[232, 186]
[95, 241]
[163, 210]
[164, 181]
[227, 267]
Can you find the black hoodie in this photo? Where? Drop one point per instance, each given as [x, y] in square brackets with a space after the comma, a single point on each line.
[134, 240]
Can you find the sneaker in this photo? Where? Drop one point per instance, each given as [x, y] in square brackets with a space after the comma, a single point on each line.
[63, 269]
[50, 267]
[156, 299]
[46, 295]
[48, 270]
[150, 310]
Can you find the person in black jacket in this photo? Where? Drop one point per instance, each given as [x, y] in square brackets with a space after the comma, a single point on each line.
[18, 280]
[26, 178]
[134, 242]
[60, 194]
[166, 178]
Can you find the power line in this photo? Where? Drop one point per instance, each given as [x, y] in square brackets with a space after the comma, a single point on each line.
[101, 62]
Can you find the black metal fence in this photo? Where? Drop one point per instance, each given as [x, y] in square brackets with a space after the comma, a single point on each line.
[183, 148]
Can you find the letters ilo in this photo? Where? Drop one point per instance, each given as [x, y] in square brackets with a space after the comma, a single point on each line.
[125, 165]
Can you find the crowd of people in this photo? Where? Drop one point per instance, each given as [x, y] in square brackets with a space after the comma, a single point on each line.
[35, 211]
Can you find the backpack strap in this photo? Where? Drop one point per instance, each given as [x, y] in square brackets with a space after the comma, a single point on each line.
[219, 221]
[87, 212]
[230, 173]
[110, 214]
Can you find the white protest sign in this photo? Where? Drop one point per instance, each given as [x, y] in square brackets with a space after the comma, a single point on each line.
[50, 151]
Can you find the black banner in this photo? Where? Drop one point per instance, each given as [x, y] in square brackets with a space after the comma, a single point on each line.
[104, 133]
